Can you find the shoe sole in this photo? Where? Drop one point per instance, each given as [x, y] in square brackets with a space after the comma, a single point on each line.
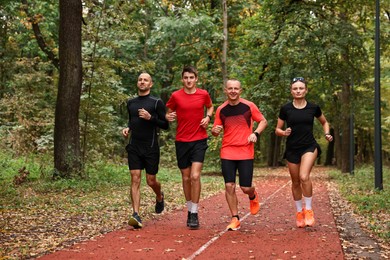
[193, 227]
[233, 229]
[134, 223]
[310, 225]
[301, 226]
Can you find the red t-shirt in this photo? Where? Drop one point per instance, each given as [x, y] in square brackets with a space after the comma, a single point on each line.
[189, 110]
[237, 122]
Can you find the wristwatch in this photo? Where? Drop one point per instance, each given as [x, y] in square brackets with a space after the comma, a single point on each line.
[257, 134]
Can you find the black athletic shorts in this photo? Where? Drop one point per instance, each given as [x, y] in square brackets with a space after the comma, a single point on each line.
[141, 156]
[295, 155]
[189, 152]
[244, 168]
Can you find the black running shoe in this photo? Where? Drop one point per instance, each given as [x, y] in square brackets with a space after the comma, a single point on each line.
[135, 221]
[188, 218]
[194, 221]
[160, 205]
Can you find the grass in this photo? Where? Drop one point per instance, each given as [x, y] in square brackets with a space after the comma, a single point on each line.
[371, 204]
[102, 179]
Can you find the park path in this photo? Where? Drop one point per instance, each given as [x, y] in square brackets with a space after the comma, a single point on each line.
[271, 234]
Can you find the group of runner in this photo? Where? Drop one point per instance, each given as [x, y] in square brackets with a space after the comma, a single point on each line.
[235, 118]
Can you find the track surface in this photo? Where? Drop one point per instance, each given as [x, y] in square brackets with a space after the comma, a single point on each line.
[271, 234]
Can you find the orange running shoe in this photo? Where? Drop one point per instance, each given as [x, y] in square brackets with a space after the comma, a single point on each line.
[301, 219]
[234, 224]
[309, 218]
[254, 204]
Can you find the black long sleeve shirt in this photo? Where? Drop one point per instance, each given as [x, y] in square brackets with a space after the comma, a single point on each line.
[145, 131]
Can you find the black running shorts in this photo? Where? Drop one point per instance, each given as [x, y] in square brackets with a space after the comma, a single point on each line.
[244, 168]
[189, 152]
[142, 156]
[295, 155]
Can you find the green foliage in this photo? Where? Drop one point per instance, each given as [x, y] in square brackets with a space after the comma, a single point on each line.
[373, 204]
[28, 108]
[328, 42]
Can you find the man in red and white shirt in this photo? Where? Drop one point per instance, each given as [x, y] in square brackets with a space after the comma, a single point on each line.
[236, 117]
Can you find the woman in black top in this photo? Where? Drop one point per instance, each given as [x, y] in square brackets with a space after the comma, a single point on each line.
[301, 147]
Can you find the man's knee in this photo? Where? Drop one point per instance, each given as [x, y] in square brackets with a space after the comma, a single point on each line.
[230, 187]
[135, 177]
[151, 180]
[195, 177]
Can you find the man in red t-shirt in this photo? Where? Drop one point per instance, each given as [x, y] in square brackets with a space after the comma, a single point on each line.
[187, 106]
[236, 117]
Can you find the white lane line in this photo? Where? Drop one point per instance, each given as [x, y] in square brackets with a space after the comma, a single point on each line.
[206, 245]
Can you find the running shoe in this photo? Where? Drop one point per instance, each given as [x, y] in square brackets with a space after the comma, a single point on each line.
[254, 204]
[234, 224]
[135, 221]
[188, 218]
[194, 221]
[301, 219]
[309, 218]
[160, 205]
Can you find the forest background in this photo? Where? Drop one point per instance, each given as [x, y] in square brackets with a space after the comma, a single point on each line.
[262, 43]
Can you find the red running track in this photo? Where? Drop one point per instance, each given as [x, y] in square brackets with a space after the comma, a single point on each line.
[271, 234]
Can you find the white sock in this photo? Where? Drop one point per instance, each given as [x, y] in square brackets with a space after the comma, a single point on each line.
[189, 205]
[194, 208]
[298, 205]
[308, 203]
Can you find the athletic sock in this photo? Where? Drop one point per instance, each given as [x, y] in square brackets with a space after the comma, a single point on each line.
[308, 203]
[194, 208]
[189, 205]
[298, 205]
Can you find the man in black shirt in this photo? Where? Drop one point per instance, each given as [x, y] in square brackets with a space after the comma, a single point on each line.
[146, 116]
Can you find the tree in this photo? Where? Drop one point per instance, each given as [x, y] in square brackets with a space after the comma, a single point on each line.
[225, 42]
[67, 156]
[289, 38]
[34, 21]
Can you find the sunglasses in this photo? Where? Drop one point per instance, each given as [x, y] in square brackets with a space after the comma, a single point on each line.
[298, 79]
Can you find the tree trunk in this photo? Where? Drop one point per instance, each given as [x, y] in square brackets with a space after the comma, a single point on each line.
[67, 155]
[225, 42]
[345, 125]
[364, 148]
[274, 158]
[337, 141]
[330, 150]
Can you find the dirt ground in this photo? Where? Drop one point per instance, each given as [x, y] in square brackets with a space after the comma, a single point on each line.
[271, 234]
